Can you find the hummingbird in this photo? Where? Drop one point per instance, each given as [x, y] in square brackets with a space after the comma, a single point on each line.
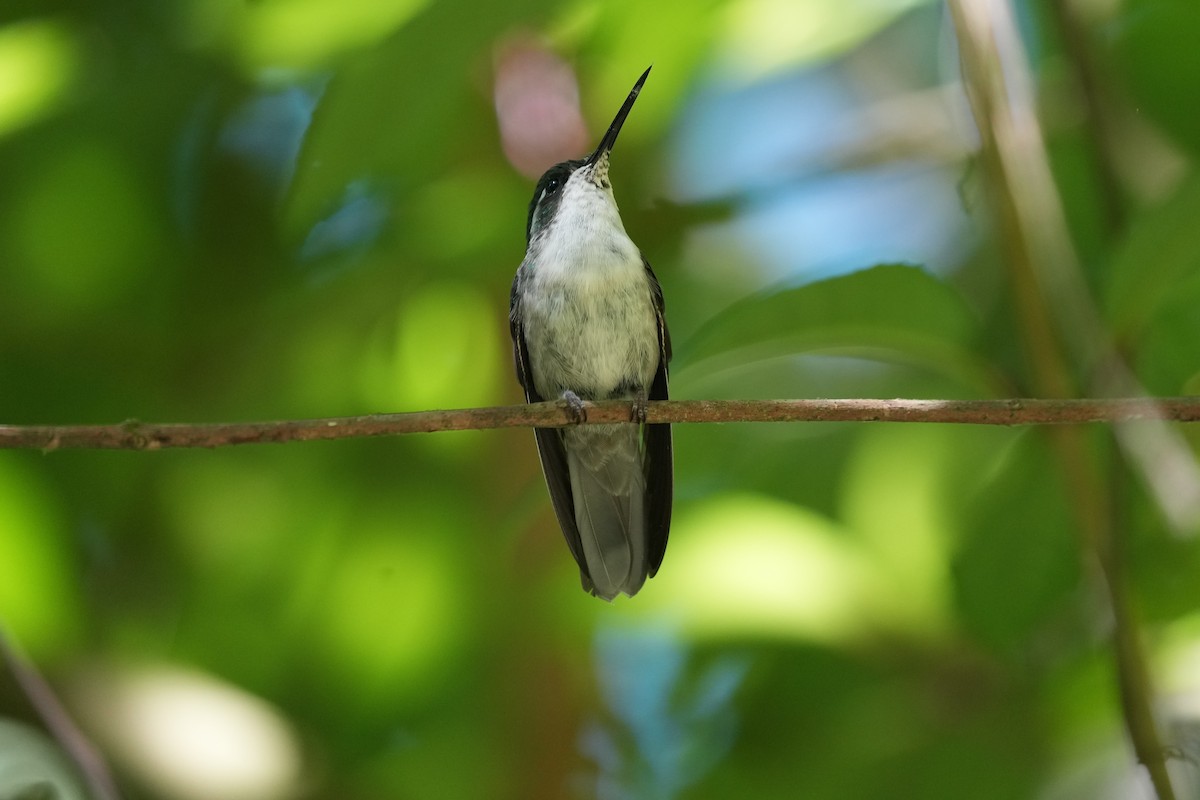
[587, 323]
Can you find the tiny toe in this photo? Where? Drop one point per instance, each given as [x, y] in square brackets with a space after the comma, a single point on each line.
[638, 413]
[575, 409]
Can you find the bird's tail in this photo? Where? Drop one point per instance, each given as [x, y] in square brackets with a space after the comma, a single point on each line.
[609, 489]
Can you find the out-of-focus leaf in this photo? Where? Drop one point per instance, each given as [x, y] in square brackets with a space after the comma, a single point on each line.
[1072, 161]
[1019, 561]
[84, 229]
[1157, 47]
[1168, 351]
[40, 62]
[1164, 570]
[764, 35]
[745, 565]
[894, 501]
[33, 768]
[670, 725]
[302, 34]
[892, 312]
[38, 599]
[442, 351]
[396, 110]
[1161, 249]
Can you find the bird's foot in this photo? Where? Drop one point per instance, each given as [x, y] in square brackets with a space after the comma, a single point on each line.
[638, 411]
[576, 412]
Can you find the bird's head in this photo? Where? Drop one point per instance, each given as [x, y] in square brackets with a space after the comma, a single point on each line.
[581, 181]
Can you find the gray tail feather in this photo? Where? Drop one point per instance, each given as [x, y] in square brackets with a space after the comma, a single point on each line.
[610, 514]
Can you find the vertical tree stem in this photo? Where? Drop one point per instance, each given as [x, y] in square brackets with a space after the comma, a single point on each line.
[1043, 270]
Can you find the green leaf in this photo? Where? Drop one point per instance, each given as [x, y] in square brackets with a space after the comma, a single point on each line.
[1018, 565]
[890, 312]
[1156, 44]
[397, 113]
[1167, 353]
[33, 768]
[1161, 250]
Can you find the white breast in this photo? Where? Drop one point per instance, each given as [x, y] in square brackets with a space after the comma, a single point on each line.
[587, 307]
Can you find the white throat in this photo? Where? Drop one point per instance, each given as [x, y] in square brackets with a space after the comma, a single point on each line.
[586, 235]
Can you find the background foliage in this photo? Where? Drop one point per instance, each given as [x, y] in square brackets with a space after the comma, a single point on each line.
[214, 210]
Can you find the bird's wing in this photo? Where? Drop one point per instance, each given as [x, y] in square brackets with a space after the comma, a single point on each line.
[658, 465]
[549, 443]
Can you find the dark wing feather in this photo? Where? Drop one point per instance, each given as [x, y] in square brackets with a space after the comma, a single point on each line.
[549, 442]
[659, 467]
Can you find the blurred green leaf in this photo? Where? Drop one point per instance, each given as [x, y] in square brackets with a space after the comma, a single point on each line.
[1160, 251]
[84, 227]
[34, 768]
[40, 63]
[1166, 570]
[894, 500]
[304, 32]
[1019, 559]
[1156, 44]
[891, 312]
[38, 601]
[768, 34]
[1167, 354]
[396, 112]
[441, 351]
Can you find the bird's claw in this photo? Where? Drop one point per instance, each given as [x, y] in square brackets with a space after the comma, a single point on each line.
[576, 412]
[638, 411]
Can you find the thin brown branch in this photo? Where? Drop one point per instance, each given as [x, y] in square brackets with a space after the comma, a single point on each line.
[134, 435]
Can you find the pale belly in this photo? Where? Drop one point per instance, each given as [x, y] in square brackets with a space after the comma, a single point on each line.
[594, 334]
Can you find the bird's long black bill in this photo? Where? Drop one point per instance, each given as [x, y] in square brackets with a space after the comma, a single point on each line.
[610, 137]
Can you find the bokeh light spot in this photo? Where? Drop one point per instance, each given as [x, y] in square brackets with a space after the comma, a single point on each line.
[191, 736]
[37, 600]
[765, 35]
[442, 353]
[39, 62]
[744, 564]
[391, 613]
[304, 33]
